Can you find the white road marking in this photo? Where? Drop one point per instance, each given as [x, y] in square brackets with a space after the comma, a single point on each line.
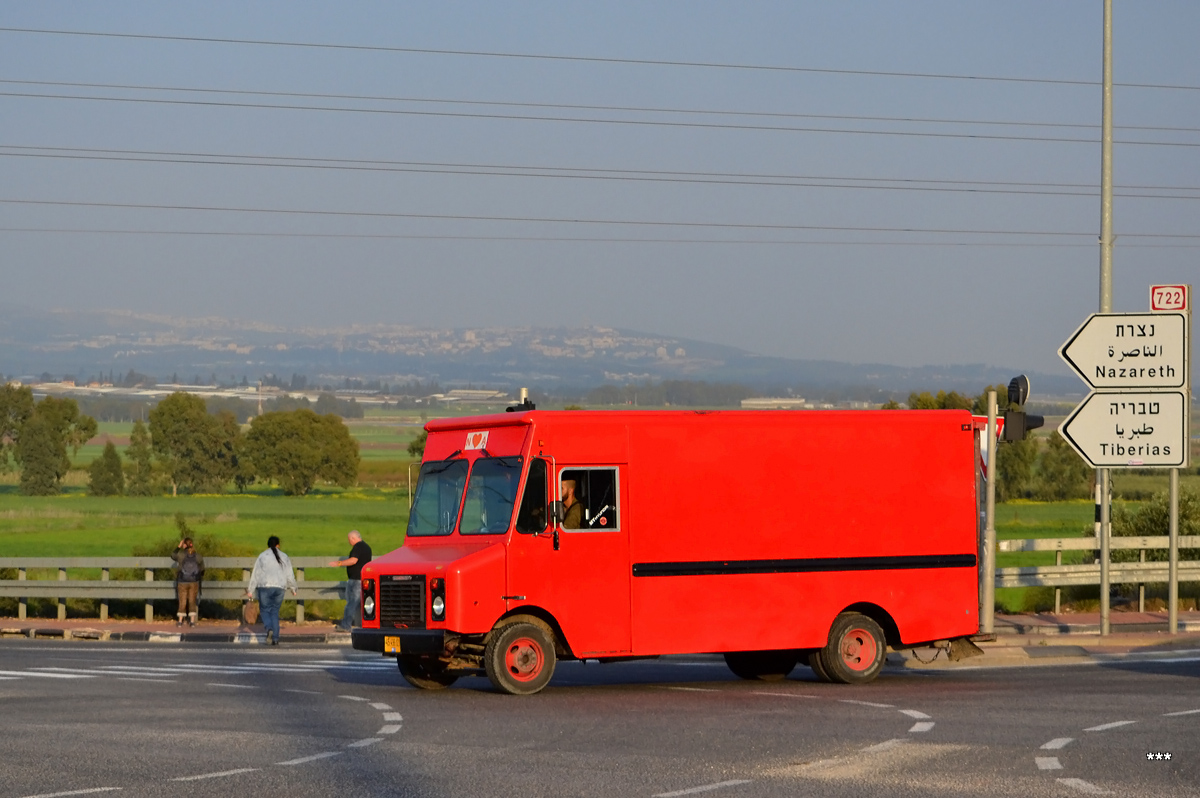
[392, 717]
[354, 698]
[313, 758]
[1113, 725]
[921, 726]
[19, 674]
[381, 707]
[705, 788]
[91, 671]
[695, 689]
[215, 775]
[784, 695]
[238, 686]
[1170, 659]
[9, 678]
[885, 745]
[866, 703]
[364, 743]
[389, 729]
[305, 692]
[912, 713]
[1058, 742]
[143, 668]
[137, 679]
[1185, 712]
[1084, 786]
[1048, 763]
[73, 792]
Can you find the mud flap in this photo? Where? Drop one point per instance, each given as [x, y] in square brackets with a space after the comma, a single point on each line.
[962, 648]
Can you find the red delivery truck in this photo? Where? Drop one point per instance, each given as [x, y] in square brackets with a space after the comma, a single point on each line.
[771, 537]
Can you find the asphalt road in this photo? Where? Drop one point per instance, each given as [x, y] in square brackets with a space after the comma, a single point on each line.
[154, 720]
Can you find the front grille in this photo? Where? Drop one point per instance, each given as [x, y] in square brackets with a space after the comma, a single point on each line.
[402, 601]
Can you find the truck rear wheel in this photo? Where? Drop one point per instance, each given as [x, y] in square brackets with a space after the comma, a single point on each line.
[765, 666]
[425, 673]
[519, 659]
[855, 651]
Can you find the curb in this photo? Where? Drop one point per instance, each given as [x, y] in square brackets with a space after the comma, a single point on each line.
[144, 636]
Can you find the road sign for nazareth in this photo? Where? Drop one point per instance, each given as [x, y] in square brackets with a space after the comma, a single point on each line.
[1130, 350]
[1141, 429]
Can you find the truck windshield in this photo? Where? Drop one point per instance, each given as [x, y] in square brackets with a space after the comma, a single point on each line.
[491, 494]
[439, 494]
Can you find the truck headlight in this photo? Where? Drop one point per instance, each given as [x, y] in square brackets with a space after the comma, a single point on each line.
[437, 598]
[439, 605]
[368, 604]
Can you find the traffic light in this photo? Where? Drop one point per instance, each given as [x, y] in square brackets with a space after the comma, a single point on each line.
[1016, 421]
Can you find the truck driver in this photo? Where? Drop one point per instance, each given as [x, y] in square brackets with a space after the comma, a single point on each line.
[574, 508]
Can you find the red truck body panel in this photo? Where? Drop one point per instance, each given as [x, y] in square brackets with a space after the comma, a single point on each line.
[719, 531]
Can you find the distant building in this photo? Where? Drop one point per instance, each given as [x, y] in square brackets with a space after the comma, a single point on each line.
[773, 403]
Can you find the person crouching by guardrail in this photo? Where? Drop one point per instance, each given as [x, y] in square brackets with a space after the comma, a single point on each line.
[271, 575]
[189, 572]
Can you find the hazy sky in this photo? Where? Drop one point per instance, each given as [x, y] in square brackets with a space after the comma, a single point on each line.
[781, 186]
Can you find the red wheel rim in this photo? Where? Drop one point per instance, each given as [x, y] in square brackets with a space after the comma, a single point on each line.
[858, 649]
[524, 659]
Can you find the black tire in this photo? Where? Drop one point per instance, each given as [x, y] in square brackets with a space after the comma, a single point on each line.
[425, 673]
[763, 666]
[855, 651]
[519, 658]
[818, 667]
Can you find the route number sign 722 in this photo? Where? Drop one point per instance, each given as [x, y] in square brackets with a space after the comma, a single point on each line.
[1169, 297]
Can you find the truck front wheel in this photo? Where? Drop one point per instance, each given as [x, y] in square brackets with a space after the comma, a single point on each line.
[766, 666]
[855, 651]
[425, 673]
[519, 659]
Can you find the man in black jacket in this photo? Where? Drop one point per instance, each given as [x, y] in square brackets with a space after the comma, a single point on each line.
[360, 555]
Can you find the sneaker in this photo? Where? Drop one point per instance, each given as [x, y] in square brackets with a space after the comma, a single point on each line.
[179, 623]
[269, 637]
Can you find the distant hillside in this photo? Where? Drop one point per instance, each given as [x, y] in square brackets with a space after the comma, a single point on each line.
[83, 344]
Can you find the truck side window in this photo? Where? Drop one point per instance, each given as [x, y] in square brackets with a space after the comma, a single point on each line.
[532, 515]
[596, 489]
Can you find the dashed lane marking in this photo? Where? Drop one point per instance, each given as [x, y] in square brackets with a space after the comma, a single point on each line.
[140, 679]
[703, 788]
[1084, 786]
[389, 729]
[885, 745]
[313, 758]
[1113, 725]
[392, 717]
[217, 775]
[73, 792]
[19, 674]
[913, 713]
[784, 695]
[921, 726]
[695, 689]
[237, 686]
[1058, 742]
[364, 743]
[1047, 763]
[354, 698]
[381, 706]
[866, 703]
[1185, 712]
[304, 692]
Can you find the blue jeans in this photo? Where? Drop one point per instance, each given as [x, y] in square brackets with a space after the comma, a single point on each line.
[270, 599]
[353, 604]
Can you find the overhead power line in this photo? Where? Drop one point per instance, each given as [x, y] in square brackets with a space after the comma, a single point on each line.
[590, 120]
[570, 221]
[583, 59]
[1022, 188]
[582, 107]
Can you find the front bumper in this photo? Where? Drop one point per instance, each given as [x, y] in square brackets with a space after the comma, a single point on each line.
[412, 641]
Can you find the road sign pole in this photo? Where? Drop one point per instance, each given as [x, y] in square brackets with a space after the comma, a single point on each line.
[1173, 568]
[1105, 534]
[987, 593]
[1106, 246]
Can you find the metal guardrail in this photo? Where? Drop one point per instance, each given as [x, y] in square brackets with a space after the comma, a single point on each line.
[148, 589]
[1059, 575]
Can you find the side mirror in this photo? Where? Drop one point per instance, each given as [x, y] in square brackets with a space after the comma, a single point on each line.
[557, 513]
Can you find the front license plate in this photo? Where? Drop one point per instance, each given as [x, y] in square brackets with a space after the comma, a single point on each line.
[391, 644]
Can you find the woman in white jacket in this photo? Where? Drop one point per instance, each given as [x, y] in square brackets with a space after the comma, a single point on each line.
[271, 575]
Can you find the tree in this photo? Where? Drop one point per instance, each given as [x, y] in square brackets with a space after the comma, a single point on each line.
[416, 447]
[299, 447]
[1062, 474]
[197, 449]
[943, 401]
[141, 465]
[16, 406]
[43, 457]
[1152, 519]
[105, 475]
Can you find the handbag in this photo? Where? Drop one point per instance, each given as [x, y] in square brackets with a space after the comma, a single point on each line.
[250, 613]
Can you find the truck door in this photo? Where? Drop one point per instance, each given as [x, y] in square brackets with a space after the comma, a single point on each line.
[584, 584]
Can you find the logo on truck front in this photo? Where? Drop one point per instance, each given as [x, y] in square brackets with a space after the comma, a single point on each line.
[476, 440]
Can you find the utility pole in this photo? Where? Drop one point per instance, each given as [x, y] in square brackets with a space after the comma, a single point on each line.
[1106, 252]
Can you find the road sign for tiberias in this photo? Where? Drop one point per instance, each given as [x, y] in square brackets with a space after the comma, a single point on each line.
[1147, 428]
[1130, 350]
